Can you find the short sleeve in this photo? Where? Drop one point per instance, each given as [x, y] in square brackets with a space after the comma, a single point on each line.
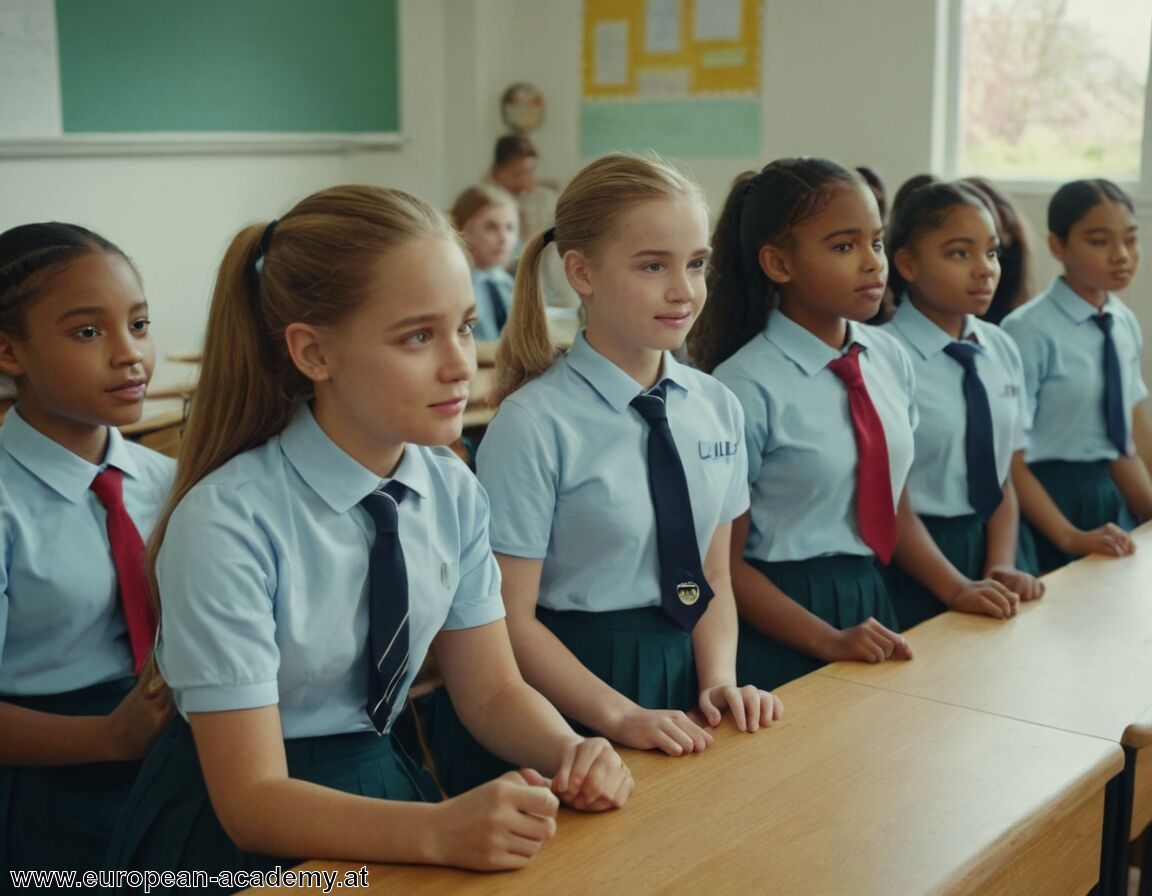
[217, 574]
[908, 377]
[737, 499]
[477, 600]
[519, 468]
[755, 405]
[1139, 388]
[1030, 345]
[1023, 420]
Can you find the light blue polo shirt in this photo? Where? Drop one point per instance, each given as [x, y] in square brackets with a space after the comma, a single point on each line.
[264, 577]
[801, 449]
[61, 626]
[938, 483]
[1063, 355]
[565, 465]
[486, 329]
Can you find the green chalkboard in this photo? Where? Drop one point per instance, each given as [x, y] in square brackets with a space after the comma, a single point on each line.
[255, 66]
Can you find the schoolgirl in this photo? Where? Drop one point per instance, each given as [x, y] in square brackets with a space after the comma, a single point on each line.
[486, 218]
[315, 549]
[79, 703]
[829, 417]
[614, 472]
[943, 252]
[1080, 482]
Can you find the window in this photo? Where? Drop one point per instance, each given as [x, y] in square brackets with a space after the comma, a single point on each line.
[1052, 89]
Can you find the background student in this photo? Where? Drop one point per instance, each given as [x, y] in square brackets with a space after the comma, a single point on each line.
[1081, 485]
[315, 548]
[76, 501]
[829, 416]
[486, 218]
[943, 251]
[619, 601]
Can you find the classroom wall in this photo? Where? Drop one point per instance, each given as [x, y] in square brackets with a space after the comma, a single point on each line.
[861, 83]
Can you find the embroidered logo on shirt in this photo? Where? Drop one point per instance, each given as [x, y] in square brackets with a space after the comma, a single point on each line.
[709, 450]
[1011, 390]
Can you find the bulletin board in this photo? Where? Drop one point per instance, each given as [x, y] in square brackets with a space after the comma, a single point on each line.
[678, 76]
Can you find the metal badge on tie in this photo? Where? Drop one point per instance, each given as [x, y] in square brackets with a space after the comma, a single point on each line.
[688, 592]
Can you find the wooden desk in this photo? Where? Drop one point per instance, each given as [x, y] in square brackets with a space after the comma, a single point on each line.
[858, 790]
[1079, 659]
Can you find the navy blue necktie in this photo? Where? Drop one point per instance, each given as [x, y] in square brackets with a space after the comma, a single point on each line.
[1113, 393]
[387, 605]
[984, 489]
[684, 592]
[499, 310]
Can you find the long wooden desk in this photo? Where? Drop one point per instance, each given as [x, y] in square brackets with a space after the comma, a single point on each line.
[1079, 659]
[858, 790]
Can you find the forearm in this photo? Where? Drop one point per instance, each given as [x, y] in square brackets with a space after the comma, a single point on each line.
[1134, 483]
[552, 669]
[769, 610]
[32, 738]
[919, 556]
[290, 817]
[1037, 506]
[1002, 532]
[714, 639]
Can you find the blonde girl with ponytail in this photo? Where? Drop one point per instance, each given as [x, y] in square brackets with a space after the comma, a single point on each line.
[337, 358]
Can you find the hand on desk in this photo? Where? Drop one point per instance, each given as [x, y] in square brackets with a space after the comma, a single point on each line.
[1027, 586]
[668, 730]
[868, 642]
[752, 708]
[987, 597]
[498, 825]
[1109, 539]
[593, 777]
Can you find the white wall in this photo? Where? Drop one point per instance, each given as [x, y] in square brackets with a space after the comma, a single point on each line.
[174, 215]
[860, 83]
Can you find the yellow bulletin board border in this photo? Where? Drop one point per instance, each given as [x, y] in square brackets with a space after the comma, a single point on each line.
[671, 49]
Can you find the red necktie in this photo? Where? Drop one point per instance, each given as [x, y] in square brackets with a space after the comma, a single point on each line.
[128, 557]
[875, 514]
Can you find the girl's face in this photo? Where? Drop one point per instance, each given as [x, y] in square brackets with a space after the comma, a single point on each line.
[88, 356]
[833, 266]
[1101, 253]
[643, 289]
[397, 369]
[952, 270]
[491, 235]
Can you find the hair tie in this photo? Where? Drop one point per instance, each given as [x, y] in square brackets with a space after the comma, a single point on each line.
[265, 241]
[549, 235]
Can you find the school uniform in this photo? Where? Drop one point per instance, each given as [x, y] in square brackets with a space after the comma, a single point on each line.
[264, 576]
[938, 480]
[1068, 447]
[565, 466]
[493, 288]
[64, 644]
[802, 461]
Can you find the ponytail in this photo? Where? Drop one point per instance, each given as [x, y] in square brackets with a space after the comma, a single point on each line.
[739, 294]
[526, 349]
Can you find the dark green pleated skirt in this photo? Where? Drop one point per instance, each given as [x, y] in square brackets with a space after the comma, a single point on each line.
[841, 589]
[58, 817]
[168, 823]
[963, 540]
[641, 653]
[1086, 494]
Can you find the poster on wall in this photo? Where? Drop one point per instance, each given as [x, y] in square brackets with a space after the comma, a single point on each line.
[681, 77]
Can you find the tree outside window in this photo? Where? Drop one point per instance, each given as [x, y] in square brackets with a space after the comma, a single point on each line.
[1053, 89]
